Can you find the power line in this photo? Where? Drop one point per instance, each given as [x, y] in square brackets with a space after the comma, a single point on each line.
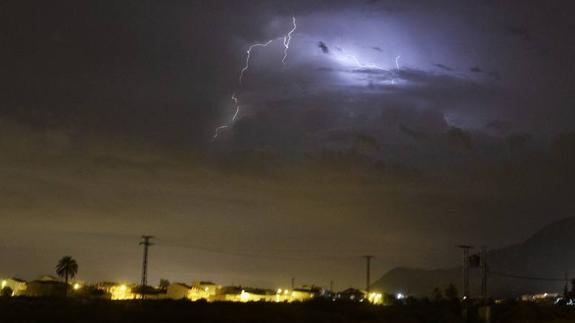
[265, 256]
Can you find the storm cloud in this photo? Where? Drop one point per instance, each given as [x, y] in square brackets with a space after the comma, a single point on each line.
[392, 126]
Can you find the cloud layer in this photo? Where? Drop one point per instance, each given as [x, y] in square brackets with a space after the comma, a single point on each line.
[394, 128]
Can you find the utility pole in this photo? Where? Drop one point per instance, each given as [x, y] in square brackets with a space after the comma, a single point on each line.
[146, 243]
[367, 272]
[465, 249]
[292, 283]
[566, 288]
[484, 270]
[484, 310]
[331, 285]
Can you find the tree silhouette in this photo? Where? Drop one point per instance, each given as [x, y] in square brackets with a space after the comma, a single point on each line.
[437, 295]
[6, 292]
[164, 283]
[451, 293]
[67, 268]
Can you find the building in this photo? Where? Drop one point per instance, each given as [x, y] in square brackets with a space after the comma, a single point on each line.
[116, 291]
[376, 298]
[244, 295]
[17, 286]
[305, 293]
[301, 295]
[178, 291]
[45, 288]
[351, 294]
[283, 295]
[203, 290]
[540, 298]
[148, 292]
[228, 294]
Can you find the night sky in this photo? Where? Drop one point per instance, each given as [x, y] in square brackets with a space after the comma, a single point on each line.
[394, 128]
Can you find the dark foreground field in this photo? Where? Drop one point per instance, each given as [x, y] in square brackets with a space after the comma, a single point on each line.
[76, 310]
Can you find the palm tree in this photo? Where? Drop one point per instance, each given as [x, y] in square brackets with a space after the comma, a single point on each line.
[67, 268]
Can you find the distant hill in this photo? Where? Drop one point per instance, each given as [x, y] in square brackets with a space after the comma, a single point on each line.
[549, 253]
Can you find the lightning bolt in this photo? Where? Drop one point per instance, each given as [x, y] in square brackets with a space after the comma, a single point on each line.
[287, 40]
[217, 131]
[222, 127]
[349, 58]
[355, 61]
[245, 68]
[237, 105]
[364, 66]
[249, 56]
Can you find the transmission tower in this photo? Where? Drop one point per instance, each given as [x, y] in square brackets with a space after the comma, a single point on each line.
[465, 249]
[146, 243]
[367, 272]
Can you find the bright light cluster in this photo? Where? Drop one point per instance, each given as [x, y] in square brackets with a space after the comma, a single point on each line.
[121, 292]
[375, 298]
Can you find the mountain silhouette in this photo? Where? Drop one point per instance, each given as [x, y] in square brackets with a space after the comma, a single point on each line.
[537, 265]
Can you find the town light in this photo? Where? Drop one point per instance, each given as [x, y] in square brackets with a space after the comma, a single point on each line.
[4, 283]
[375, 298]
[77, 286]
[244, 296]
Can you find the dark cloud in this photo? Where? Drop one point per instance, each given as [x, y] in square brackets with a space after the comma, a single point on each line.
[518, 141]
[495, 75]
[499, 126]
[443, 67]
[107, 113]
[323, 47]
[413, 134]
[459, 138]
[520, 32]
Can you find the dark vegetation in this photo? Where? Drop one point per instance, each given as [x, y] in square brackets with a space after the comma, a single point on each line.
[63, 310]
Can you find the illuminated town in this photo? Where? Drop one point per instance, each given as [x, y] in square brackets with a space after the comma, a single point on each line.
[48, 286]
